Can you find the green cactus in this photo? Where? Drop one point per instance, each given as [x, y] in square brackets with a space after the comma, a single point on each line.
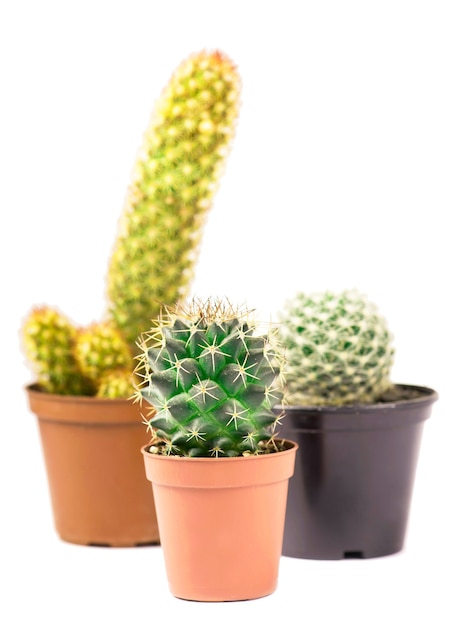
[212, 381]
[337, 347]
[48, 338]
[173, 183]
[99, 349]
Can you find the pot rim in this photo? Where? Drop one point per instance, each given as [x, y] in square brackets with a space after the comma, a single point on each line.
[33, 389]
[221, 459]
[83, 410]
[220, 472]
[428, 396]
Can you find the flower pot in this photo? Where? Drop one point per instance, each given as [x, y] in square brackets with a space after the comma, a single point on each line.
[221, 522]
[351, 492]
[98, 488]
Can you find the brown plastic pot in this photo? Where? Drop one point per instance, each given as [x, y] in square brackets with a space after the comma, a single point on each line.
[221, 522]
[98, 488]
[351, 492]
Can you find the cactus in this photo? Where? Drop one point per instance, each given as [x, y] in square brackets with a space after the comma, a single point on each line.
[48, 343]
[173, 182]
[212, 381]
[337, 347]
[117, 383]
[77, 361]
[100, 348]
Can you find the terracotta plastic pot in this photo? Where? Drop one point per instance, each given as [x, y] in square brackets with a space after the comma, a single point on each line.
[98, 488]
[221, 522]
[351, 493]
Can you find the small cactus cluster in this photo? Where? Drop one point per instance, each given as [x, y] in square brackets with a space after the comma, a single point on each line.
[173, 182]
[337, 348]
[76, 361]
[48, 342]
[212, 381]
[105, 359]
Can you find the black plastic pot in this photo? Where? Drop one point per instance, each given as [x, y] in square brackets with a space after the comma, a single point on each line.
[355, 467]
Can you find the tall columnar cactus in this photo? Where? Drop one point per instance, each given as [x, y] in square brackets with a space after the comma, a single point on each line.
[173, 183]
[48, 338]
[337, 347]
[212, 381]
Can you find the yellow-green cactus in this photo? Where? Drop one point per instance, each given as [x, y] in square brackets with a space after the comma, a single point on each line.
[173, 182]
[100, 348]
[48, 338]
[78, 361]
[118, 383]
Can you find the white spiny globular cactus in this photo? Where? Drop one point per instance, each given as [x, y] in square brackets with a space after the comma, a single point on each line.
[337, 347]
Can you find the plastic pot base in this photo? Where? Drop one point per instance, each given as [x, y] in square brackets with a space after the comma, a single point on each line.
[354, 474]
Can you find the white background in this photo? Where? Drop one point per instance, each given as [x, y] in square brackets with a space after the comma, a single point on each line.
[339, 177]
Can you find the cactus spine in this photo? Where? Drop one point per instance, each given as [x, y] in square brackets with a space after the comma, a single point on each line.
[173, 182]
[212, 381]
[337, 347]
